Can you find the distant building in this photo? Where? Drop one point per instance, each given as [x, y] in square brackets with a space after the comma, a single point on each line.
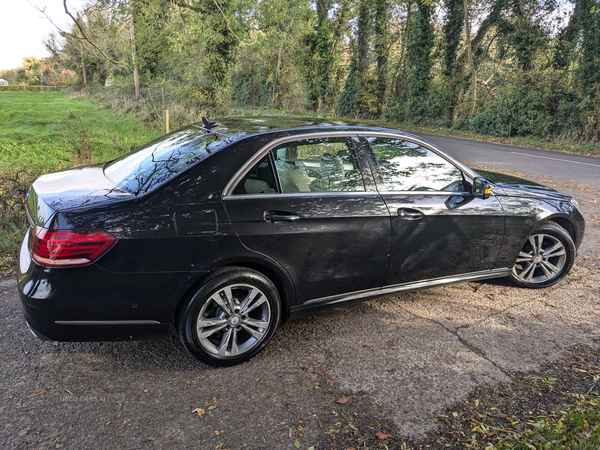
[3, 82]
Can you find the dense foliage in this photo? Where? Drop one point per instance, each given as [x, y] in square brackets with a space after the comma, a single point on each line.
[498, 67]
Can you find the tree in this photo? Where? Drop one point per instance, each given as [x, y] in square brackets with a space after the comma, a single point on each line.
[420, 45]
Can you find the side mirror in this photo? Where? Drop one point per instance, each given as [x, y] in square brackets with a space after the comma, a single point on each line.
[481, 188]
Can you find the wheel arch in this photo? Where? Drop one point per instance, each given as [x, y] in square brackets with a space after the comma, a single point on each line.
[566, 224]
[278, 277]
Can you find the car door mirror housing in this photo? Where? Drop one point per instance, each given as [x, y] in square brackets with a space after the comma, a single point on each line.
[481, 188]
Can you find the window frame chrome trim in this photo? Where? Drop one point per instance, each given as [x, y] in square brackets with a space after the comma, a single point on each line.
[227, 193]
[304, 194]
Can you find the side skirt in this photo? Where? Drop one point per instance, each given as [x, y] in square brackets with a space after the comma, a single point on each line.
[307, 307]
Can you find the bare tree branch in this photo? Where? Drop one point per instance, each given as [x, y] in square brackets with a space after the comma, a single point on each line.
[74, 36]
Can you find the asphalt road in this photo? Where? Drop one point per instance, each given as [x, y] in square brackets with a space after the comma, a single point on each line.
[570, 168]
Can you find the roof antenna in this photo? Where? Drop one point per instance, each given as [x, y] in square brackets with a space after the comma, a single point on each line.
[208, 124]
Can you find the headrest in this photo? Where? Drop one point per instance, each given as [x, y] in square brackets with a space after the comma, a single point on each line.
[291, 154]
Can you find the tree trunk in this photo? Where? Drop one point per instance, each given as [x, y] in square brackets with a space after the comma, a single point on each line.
[83, 71]
[470, 57]
[136, 81]
[276, 77]
[381, 53]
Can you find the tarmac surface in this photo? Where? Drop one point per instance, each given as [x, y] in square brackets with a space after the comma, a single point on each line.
[389, 364]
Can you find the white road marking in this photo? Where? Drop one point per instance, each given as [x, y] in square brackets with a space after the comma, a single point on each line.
[557, 159]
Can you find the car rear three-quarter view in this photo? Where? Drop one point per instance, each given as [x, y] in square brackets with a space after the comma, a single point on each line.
[226, 229]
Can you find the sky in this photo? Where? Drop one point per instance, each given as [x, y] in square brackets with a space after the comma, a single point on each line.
[23, 28]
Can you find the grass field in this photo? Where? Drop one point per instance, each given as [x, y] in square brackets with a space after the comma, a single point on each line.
[43, 131]
[46, 131]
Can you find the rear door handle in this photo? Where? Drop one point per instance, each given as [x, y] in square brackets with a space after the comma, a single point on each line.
[407, 214]
[276, 217]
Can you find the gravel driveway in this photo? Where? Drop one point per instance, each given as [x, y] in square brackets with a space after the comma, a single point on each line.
[385, 366]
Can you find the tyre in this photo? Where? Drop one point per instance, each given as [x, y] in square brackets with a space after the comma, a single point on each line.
[546, 257]
[230, 318]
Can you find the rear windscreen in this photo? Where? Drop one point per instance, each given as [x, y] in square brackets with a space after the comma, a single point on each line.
[144, 169]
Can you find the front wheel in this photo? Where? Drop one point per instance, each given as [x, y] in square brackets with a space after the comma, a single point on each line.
[230, 318]
[546, 257]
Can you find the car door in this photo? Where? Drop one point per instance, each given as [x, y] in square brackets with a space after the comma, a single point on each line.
[310, 203]
[438, 228]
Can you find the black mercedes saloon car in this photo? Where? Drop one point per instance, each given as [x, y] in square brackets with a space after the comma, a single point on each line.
[227, 229]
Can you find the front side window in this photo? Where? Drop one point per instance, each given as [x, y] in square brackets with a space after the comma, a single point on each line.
[318, 165]
[406, 166]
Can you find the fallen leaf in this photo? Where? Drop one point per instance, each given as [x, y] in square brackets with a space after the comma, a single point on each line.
[198, 411]
[381, 435]
[343, 400]
[492, 433]
[510, 316]
[297, 443]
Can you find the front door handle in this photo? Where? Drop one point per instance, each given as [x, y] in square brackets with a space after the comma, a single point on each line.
[407, 214]
[277, 217]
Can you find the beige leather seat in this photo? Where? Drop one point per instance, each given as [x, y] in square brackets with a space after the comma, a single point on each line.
[293, 177]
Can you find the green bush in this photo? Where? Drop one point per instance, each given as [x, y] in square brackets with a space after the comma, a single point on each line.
[520, 112]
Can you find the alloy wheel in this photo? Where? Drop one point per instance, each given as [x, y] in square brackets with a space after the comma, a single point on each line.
[542, 259]
[233, 320]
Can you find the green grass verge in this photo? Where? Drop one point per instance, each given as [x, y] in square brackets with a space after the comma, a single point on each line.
[573, 426]
[42, 131]
[47, 131]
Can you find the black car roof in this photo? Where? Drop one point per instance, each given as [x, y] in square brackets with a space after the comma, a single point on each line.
[253, 125]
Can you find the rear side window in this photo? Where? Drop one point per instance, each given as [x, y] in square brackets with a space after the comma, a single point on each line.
[259, 180]
[150, 166]
[318, 165]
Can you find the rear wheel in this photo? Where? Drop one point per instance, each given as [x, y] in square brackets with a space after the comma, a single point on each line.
[546, 257]
[230, 318]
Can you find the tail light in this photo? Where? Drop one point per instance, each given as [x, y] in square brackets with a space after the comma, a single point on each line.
[68, 248]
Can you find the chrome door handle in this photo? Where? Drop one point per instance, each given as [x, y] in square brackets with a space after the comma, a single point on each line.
[410, 215]
[275, 218]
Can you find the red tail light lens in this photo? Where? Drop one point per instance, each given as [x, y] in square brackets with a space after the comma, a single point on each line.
[67, 248]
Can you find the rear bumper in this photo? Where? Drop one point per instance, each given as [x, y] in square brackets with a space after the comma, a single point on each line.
[91, 304]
